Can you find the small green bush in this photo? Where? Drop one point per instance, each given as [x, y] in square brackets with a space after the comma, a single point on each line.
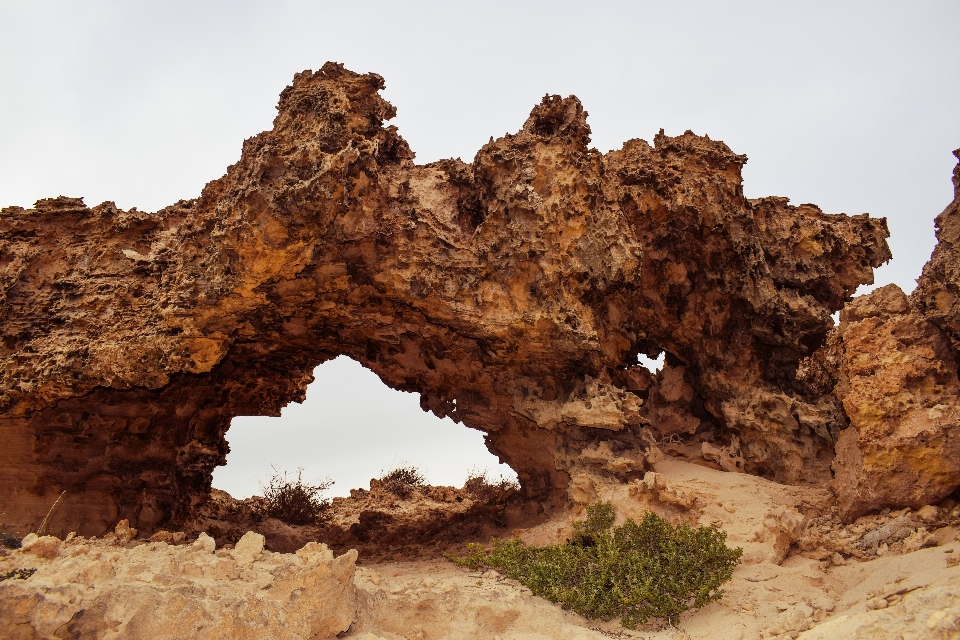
[634, 571]
[295, 501]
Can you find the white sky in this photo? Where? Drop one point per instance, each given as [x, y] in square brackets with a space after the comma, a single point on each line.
[849, 105]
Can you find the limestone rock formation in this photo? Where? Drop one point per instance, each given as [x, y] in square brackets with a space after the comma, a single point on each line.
[893, 364]
[95, 589]
[376, 523]
[513, 293]
[898, 384]
[924, 612]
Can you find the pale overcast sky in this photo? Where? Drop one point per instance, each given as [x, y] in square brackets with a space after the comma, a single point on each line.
[849, 105]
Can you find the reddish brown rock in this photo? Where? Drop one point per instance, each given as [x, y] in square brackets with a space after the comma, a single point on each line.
[937, 296]
[893, 364]
[899, 387]
[513, 294]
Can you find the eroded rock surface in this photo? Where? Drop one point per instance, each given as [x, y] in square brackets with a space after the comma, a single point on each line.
[378, 523]
[96, 589]
[937, 295]
[893, 364]
[513, 294]
[899, 386]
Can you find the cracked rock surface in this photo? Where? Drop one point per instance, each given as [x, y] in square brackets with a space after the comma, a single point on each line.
[899, 387]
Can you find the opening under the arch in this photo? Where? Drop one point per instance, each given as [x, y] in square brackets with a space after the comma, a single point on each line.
[351, 428]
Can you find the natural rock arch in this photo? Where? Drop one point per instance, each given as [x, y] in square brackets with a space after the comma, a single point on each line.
[513, 294]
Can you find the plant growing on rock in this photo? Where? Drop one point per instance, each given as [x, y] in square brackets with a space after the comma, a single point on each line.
[294, 501]
[635, 571]
[8, 539]
[402, 480]
[482, 488]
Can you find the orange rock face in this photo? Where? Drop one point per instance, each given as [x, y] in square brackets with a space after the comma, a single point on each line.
[899, 387]
[896, 361]
[513, 294]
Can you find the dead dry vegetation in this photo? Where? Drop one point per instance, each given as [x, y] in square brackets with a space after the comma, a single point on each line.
[294, 501]
[400, 516]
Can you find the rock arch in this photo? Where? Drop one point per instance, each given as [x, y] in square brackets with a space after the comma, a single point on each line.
[513, 294]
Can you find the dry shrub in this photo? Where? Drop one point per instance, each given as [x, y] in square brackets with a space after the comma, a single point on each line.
[403, 479]
[8, 539]
[17, 574]
[294, 501]
[481, 488]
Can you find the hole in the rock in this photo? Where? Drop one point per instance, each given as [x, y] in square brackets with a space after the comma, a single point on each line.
[351, 428]
[653, 365]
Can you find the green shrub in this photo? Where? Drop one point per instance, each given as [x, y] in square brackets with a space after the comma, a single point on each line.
[634, 571]
[295, 501]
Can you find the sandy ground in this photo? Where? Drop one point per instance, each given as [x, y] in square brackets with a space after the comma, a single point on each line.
[434, 599]
[778, 591]
[804, 573]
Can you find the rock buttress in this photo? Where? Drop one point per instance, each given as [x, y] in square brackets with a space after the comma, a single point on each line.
[894, 359]
[513, 294]
[898, 384]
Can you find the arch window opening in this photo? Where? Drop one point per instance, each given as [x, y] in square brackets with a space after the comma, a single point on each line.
[350, 428]
[652, 365]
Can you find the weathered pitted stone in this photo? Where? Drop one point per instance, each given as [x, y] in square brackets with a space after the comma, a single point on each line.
[899, 387]
[98, 590]
[513, 294]
[937, 296]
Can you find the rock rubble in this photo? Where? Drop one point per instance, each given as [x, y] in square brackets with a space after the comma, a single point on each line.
[95, 588]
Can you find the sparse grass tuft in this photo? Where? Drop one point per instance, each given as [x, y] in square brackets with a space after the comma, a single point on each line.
[43, 525]
[294, 501]
[634, 571]
[403, 479]
[482, 488]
